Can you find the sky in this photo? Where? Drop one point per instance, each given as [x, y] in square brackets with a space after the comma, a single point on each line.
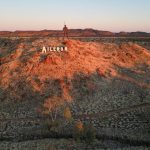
[108, 15]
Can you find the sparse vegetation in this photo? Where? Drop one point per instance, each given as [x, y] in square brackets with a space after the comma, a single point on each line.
[84, 132]
[52, 106]
[109, 99]
[89, 134]
[78, 131]
[67, 113]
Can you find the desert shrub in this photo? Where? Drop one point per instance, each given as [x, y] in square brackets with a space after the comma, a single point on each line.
[51, 107]
[79, 126]
[84, 133]
[67, 114]
[78, 131]
[52, 126]
[89, 133]
[51, 111]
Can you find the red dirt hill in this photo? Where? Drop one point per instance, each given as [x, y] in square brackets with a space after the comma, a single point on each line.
[81, 57]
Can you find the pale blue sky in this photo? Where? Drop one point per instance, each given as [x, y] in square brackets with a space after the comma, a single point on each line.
[112, 15]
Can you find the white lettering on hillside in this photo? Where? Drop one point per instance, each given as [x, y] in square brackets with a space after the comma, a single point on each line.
[54, 49]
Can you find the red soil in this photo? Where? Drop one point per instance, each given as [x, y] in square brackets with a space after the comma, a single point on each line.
[81, 57]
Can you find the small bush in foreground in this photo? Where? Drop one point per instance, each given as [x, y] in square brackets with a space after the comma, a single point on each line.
[84, 133]
[89, 133]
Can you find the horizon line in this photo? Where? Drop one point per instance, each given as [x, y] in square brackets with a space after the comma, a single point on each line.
[24, 30]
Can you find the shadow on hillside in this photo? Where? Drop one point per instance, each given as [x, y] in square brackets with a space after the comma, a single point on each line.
[138, 75]
[91, 94]
[84, 88]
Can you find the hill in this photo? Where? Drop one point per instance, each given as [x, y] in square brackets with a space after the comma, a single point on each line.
[73, 33]
[105, 84]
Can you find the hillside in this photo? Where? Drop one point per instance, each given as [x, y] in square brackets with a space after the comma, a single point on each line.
[106, 84]
[85, 58]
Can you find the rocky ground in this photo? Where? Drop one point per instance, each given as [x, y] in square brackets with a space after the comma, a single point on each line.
[107, 85]
[63, 144]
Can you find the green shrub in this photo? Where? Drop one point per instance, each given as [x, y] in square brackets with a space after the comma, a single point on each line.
[89, 133]
[84, 133]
